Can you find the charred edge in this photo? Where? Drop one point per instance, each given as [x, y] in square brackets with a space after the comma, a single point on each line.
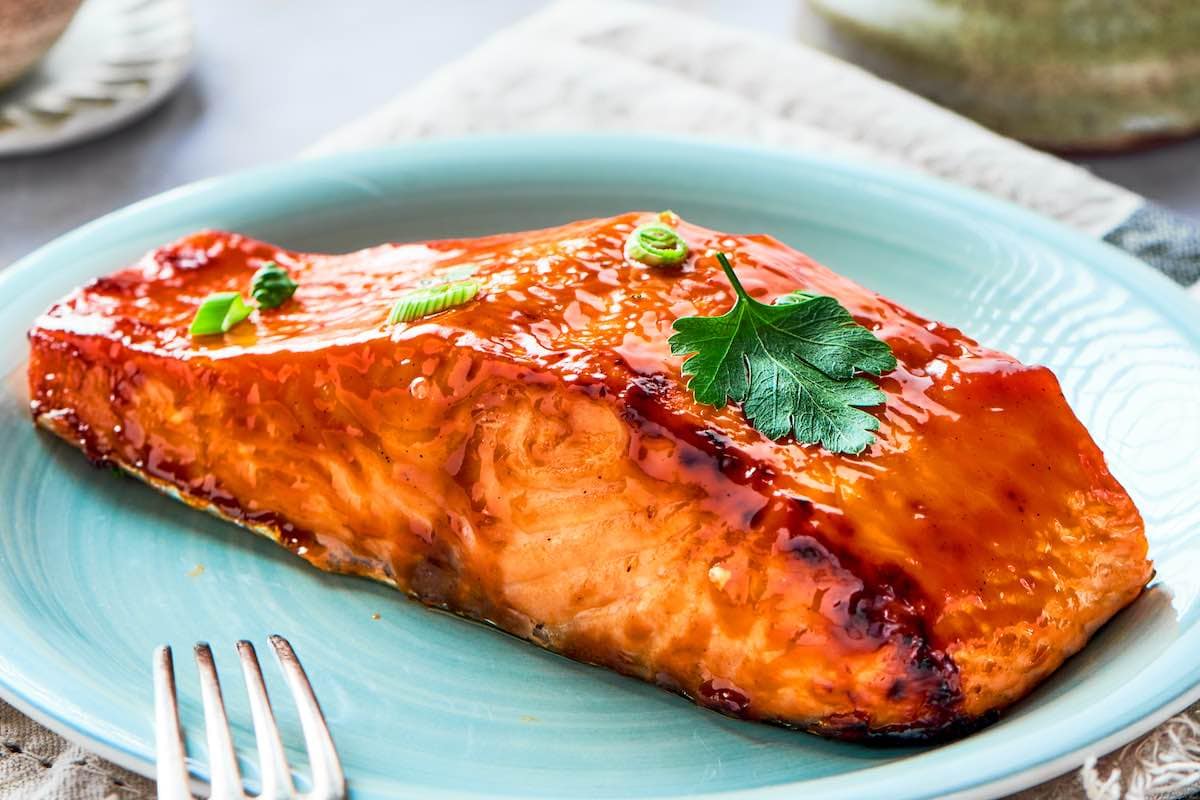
[715, 696]
[724, 696]
[718, 697]
[159, 473]
[434, 581]
[66, 425]
[852, 728]
[855, 728]
[893, 609]
[291, 536]
[153, 468]
[728, 701]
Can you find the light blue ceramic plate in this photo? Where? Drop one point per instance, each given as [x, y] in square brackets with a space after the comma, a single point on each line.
[96, 570]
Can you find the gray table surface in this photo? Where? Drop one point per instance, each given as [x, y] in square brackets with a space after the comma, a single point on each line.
[272, 76]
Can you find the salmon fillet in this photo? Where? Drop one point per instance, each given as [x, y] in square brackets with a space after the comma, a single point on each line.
[533, 459]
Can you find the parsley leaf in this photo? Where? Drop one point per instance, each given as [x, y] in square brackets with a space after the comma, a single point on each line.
[791, 365]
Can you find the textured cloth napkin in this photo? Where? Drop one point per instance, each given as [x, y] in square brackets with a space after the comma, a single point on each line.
[595, 66]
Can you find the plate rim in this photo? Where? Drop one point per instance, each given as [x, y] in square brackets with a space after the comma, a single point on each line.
[1096, 256]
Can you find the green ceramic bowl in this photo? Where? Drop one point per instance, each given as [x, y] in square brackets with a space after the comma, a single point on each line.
[1087, 75]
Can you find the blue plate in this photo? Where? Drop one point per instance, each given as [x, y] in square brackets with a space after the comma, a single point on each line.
[95, 570]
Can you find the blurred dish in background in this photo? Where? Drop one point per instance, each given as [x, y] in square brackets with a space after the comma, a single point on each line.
[1088, 75]
[116, 61]
[27, 29]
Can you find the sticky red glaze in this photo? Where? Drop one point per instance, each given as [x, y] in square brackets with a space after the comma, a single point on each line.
[534, 459]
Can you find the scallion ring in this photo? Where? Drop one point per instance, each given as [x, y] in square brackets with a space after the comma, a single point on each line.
[272, 286]
[656, 246]
[218, 313]
[431, 299]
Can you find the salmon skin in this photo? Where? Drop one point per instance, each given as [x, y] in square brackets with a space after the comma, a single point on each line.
[533, 459]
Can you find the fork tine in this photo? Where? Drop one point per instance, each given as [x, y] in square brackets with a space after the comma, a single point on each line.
[276, 778]
[170, 754]
[226, 779]
[329, 783]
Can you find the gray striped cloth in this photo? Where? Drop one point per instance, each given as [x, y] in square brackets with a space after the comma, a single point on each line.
[1163, 239]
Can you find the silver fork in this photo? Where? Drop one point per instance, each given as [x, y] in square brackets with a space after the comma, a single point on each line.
[328, 782]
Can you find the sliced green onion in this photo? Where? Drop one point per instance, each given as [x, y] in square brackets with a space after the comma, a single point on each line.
[271, 286]
[795, 298]
[431, 299]
[218, 313]
[656, 246]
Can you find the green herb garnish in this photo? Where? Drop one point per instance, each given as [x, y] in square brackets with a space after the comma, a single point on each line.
[431, 299]
[272, 286]
[218, 313]
[792, 366]
[656, 246]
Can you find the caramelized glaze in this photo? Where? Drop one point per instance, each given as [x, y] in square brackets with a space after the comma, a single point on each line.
[533, 459]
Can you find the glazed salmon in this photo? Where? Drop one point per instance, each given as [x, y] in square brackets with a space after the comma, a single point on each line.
[534, 459]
